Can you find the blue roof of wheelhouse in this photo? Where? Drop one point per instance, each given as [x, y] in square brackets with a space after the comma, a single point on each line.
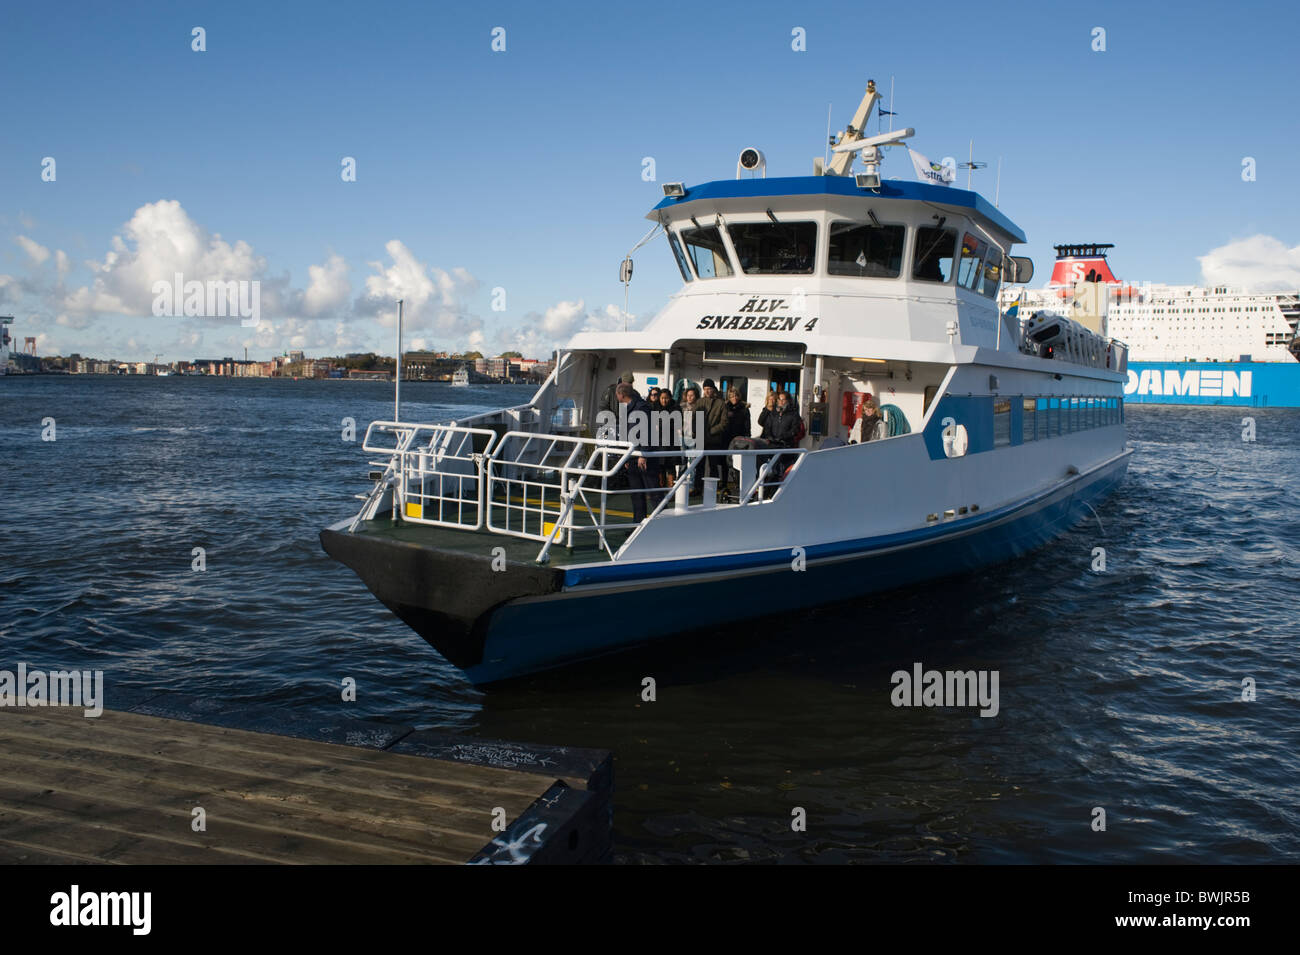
[844, 186]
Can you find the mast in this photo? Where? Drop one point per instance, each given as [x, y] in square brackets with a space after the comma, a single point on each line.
[839, 166]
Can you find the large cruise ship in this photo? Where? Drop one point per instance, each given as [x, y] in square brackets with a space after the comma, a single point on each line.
[1187, 344]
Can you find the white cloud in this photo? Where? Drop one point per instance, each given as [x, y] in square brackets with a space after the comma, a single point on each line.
[433, 298]
[1258, 263]
[539, 334]
[35, 251]
[328, 287]
[328, 316]
[159, 241]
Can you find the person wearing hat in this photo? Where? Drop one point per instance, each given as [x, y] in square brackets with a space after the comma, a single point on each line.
[609, 402]
[715, 431]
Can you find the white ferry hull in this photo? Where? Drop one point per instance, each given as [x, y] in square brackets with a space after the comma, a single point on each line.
[606, 608]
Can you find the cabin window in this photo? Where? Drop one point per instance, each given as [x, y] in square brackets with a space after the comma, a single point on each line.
[970, 270]
[705, 247]
[1027, 419]
[867, 251]
[1053, 417]
[766, 248]
[991, 274]
[932, 255]
[1001, 421]
[680, 257]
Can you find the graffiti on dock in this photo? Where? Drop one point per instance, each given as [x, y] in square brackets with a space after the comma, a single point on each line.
[506, 757]
[513, 850]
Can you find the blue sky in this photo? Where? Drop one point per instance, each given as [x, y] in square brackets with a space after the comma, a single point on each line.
[522, 170]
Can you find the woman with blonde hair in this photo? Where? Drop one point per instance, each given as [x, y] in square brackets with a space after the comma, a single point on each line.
[870, 424]
[769, 406]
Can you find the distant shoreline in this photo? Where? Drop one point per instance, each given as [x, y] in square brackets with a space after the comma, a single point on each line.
[385, 381]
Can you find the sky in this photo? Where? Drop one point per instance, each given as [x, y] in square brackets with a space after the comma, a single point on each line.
[496, 191]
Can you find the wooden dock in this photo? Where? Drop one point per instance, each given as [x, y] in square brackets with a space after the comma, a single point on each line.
[124, 788]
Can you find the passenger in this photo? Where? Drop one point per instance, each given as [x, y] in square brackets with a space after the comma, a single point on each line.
[779, 423]
[870, 424]
[690, 404]
[781, 430]
[785, 422]
[609, 401]
[715, 437]
[642, 472]
[670, 435]
[738, 426]
[769, 405]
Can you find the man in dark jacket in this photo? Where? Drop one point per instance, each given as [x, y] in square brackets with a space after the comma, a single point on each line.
[782, 425]
[781, 428]
[608, 401]
[715, 434]
[634, 424]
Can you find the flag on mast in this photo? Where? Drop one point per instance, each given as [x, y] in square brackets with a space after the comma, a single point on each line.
[931, 172]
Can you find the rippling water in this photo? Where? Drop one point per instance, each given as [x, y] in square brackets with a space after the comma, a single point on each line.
[1118, 689]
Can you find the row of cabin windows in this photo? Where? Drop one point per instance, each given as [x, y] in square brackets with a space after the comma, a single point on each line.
[865, 250]
[1049, 417]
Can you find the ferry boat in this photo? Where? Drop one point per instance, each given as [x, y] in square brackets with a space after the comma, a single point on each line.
[510, 540]
[460, 379]
[1187, 344]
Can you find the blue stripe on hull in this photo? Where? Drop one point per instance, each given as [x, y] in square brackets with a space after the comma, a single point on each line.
[528, 636]
[1253, 384]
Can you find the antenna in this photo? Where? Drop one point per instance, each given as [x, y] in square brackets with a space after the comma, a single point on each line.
[997, 190]
[826, 156]
[971, 164]
[891, 103]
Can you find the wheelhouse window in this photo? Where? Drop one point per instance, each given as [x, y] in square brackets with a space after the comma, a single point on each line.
[991, 276]
[981, 266]
[707, 251]
[866, 250]
[932, 254]
[767, 248]
[972, 260]
[680, 257]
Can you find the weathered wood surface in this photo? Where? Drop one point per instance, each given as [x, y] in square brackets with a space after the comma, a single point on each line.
[123, 788]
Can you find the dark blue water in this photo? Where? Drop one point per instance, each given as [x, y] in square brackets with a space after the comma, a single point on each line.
[1119, 690]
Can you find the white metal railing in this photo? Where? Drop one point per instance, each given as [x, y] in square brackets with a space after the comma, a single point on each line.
[548, 487]
[542, 485]
[438, 471]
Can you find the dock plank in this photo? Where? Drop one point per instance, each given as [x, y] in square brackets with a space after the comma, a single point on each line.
[120, 788]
